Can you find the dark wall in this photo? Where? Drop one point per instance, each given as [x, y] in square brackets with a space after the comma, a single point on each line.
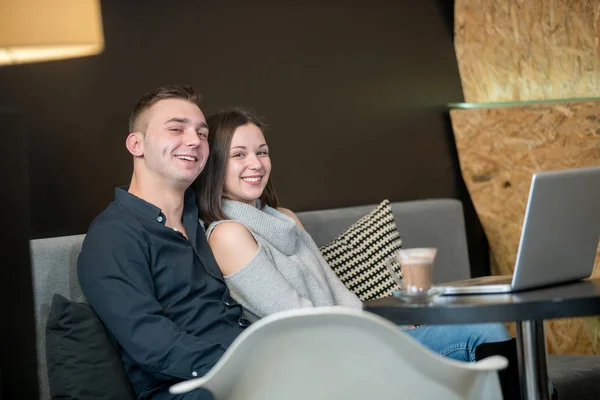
[355, 95]
[18, 368]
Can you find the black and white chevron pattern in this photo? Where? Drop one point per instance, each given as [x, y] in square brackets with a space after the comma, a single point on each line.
[357, 256]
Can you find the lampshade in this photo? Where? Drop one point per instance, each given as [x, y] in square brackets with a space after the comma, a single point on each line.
[42, 30]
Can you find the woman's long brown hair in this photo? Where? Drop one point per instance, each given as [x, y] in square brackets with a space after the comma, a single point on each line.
[209, 185]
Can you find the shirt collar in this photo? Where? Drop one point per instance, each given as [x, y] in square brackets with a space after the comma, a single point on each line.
[141, 206]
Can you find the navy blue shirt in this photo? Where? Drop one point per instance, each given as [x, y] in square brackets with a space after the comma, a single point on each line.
[161, 296]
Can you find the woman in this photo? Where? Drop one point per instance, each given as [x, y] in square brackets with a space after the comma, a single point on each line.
[268, 260]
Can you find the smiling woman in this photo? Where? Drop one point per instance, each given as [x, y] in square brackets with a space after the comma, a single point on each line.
[269, 262]
[249, 165]
[251, 237]
[229, 154]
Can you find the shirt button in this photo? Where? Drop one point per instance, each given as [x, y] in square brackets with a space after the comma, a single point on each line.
[159, 219]
[227, 303]
[194, 373]
[243, 322]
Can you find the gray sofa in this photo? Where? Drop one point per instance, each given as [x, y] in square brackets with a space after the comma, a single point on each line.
[437, 223]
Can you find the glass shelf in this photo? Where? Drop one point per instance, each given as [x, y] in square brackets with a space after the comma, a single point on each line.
[519, 103]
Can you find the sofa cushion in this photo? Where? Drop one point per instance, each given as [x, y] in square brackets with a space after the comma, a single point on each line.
[357, 256]
[54, 264]
[82, 362]
[435, 223]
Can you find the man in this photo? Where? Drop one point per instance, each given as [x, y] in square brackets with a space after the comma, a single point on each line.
[146, 268]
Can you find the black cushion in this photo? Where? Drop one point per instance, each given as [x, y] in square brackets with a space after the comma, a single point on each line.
[82, 362]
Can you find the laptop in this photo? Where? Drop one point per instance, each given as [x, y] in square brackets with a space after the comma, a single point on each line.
[559, 237]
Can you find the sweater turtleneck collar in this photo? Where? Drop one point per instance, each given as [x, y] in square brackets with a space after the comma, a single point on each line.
[268, 223]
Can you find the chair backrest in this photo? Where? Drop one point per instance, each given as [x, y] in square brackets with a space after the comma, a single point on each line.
[54, 265]
[336, 353]
[422, 223]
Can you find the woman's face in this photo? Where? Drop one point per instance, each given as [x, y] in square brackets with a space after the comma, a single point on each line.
[249, 165]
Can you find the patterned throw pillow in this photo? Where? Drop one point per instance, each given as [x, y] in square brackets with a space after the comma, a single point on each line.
[358, 255]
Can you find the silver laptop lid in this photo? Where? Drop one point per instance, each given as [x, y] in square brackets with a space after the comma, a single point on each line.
[561, 228]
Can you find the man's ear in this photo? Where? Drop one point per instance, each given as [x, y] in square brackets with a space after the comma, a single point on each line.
[135, 144]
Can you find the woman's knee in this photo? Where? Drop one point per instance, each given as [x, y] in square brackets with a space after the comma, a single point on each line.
[493, 332]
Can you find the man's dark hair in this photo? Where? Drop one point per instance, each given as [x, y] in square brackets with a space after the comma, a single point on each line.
[137, 123]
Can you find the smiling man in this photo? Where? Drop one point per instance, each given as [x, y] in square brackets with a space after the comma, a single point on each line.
[146, 268]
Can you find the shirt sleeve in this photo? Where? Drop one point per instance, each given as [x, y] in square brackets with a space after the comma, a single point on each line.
[262, 290]
[115, 276]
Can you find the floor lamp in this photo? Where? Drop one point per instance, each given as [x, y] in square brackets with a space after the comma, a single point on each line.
[30, 31]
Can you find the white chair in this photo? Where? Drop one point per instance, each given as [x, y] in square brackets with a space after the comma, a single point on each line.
[336, 353]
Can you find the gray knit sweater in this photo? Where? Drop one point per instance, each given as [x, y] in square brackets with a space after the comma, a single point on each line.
[288, 270]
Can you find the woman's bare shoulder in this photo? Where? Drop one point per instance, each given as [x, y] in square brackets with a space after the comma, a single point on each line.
[229, 231]
[233, 246]
[290, 214]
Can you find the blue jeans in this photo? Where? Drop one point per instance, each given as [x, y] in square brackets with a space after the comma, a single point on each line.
[458, 342]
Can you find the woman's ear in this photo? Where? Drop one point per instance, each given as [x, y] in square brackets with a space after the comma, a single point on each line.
[135, 144]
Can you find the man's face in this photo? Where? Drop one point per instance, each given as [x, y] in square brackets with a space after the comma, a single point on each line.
[175, 146]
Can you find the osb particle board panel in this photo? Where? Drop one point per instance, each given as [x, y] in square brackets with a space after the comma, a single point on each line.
[527, 49]
[499, 149]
